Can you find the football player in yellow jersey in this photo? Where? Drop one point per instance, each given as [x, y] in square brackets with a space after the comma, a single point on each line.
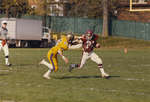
[61, 45]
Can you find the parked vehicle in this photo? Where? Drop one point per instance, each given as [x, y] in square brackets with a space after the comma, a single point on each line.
[46, 37]
[26, 33]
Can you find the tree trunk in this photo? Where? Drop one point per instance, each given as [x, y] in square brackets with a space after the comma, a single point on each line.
[45, 13]
[105, 19]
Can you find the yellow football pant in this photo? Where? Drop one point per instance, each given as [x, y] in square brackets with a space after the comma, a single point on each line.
[53, 60]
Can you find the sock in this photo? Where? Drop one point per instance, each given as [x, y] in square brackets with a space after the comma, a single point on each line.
[102, 70]
[47, 64]
[6, 60]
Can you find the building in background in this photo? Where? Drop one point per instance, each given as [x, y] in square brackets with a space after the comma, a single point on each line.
[33, 3]
[123, 12]
[140, 1]
[53, 7]
[56, 8]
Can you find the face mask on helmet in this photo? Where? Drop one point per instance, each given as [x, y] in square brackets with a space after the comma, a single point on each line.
[71, 38]
[89, 36]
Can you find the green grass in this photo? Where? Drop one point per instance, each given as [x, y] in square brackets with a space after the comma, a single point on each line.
[121, 42]
[130, 81]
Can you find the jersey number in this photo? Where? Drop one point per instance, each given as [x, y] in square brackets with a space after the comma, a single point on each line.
[88, 44]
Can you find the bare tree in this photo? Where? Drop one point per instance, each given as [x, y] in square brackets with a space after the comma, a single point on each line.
[15, 8]
[105, 19]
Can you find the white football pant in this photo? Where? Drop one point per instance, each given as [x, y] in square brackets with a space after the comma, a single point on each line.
[6, 51]
[94, 57]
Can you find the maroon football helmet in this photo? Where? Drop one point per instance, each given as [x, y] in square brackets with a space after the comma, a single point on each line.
[89, 34]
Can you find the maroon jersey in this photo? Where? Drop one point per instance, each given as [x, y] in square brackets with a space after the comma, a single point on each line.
[88, 45]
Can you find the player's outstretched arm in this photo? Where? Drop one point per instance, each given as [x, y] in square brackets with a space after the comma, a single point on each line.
[63, 57]
[77, 43]
[75, 46]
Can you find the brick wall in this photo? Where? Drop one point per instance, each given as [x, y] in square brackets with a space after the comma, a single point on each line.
[125, 14]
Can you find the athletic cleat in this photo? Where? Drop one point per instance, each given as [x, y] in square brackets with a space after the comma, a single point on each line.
[71, 67]
[105, 75]
[47, 77]
[8, 64]
[41, 62]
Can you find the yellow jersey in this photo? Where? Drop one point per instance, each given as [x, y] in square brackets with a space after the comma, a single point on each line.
[61, 45]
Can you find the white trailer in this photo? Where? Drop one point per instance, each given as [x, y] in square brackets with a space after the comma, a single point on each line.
[24, 32]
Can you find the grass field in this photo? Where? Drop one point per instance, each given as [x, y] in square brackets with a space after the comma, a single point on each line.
[129, 81]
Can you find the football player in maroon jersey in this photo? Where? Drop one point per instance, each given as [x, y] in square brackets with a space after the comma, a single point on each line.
[88, 44]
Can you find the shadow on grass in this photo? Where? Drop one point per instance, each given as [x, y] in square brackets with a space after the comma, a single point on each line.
[83, 77]
[4, 74]
[14, 65]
